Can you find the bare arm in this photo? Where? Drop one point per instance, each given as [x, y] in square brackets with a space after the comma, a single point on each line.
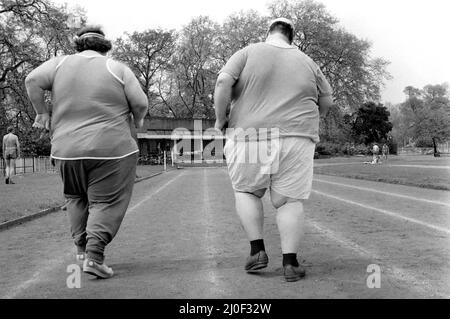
[222, 98]
[18, 146]
[325, 103]
[38, 81]
[4, 146]
[136, 97]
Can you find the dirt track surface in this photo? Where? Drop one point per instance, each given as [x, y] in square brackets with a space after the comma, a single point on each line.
[181, 239]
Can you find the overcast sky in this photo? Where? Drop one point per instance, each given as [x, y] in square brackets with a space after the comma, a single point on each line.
[413, 35]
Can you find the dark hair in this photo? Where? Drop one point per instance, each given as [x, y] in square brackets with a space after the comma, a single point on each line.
[92, 43]
[10, 129]
[283, 28]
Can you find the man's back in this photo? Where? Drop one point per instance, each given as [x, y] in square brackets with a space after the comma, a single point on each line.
[10, 142]
[277, 87]
[90, 110]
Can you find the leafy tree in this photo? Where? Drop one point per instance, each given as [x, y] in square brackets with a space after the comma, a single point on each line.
[371, 123]
[31, 32]
[425, 114]
[239, 30]
[345, 60]
[194, 67]
[148, 54]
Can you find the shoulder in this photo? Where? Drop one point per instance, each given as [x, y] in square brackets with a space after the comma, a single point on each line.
[57, 60]
[308, 59]
[256, 47]
[118, 66]
[119, 69]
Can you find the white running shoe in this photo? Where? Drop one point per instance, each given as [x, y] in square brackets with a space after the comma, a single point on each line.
[100, 270]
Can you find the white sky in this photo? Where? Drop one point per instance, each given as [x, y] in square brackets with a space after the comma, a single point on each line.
[413, 35]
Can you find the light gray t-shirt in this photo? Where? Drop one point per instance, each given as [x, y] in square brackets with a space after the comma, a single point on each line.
[91, 117]
[276, 88]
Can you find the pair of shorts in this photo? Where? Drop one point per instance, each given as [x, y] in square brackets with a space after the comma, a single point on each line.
[284, 165]
[10, 156]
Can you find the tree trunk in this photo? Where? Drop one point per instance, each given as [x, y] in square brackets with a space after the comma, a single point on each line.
[436, 153]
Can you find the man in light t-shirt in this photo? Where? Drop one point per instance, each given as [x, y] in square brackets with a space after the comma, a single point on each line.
[376, 156]
[276, 94]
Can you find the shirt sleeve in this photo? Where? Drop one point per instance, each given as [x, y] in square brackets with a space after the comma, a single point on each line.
[235, 64]
[323, 87]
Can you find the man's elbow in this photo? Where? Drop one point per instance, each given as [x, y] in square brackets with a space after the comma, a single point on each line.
[224, 82]
[325, 103]
[141, 108]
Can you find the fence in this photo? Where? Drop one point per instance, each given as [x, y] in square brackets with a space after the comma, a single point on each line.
[26, 165]
[442, 148]
[43, 164]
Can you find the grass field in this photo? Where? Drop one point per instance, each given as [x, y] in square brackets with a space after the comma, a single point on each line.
[35, 192]
[420, 171]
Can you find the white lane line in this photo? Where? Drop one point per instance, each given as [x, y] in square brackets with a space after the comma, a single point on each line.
[37, 276]
[419, 285]
[51, 265]
[154, 193]
[384, 193]
[336, 164]
[207, 244]
[421, 166]
[386, 212]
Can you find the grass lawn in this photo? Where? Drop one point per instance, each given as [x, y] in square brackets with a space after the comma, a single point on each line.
[35, 192]
[421, 171]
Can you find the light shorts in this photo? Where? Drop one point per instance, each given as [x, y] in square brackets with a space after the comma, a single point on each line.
[9, 155]
[288, 170]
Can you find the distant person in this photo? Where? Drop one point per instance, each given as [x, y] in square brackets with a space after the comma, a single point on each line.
[385, 151]
[272, 86]
[93, 98]
[11, 151]
[375, 153]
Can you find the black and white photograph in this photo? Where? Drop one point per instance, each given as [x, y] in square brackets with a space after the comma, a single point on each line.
[227, 155]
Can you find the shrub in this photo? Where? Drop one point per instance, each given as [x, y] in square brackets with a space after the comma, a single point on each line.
[330, 149]
[393, 147]
[424, 142]
[362, 149]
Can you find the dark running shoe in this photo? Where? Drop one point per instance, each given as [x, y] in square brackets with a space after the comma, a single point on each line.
[257, 261]
[100, 270]
[6, 180]
[292, 273]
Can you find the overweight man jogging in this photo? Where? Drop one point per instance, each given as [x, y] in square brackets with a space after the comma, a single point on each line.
[273, 88]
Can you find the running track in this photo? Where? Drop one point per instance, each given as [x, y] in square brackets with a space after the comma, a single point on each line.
[182, 239]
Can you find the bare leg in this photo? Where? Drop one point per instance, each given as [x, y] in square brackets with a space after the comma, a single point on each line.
[250, 211]
[7, 166]
[290, 220]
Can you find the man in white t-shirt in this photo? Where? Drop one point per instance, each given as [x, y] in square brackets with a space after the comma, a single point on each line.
[276, 94]
[376, 156]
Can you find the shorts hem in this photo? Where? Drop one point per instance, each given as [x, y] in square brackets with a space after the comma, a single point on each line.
[251, 191]
[302, 197]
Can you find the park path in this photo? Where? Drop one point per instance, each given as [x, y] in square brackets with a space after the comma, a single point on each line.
[182, 239]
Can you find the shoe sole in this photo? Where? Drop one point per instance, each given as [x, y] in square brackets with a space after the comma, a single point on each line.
[257, 266]
[293, 278]
[97, 273]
